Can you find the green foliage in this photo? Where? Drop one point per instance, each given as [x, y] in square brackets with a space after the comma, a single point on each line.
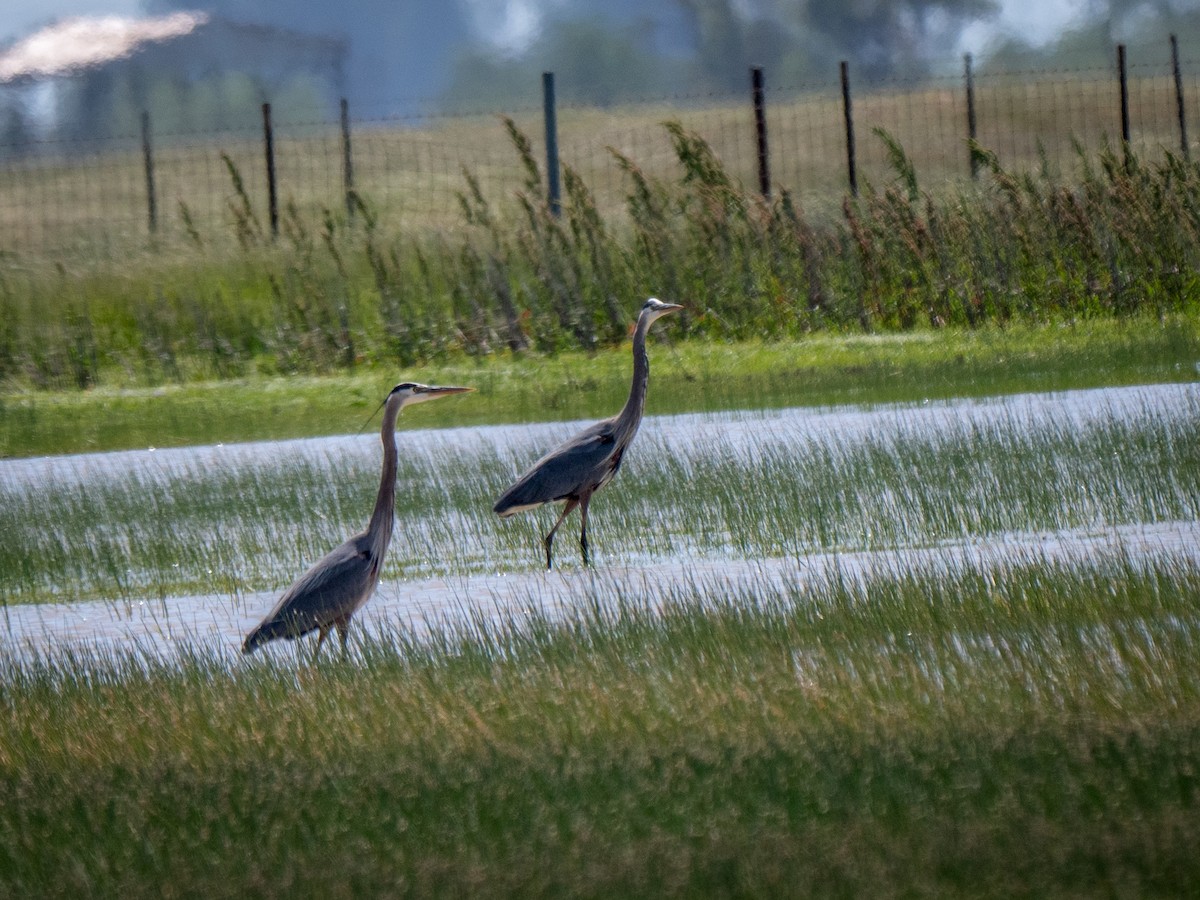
[698, 376]
[335, 292]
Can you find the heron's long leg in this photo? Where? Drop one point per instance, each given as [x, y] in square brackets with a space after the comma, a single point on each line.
[583, 544]
[320, 640]
[343, 630]
[549, 538]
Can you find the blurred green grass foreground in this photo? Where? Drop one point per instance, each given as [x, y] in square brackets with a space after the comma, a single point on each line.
[1017, 730]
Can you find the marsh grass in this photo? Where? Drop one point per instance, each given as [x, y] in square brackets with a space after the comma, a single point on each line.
[751, 486]
[1027, 729]
[1110, 239]
[689, 376]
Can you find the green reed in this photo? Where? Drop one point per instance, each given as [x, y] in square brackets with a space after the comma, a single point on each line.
[1028, 729]
[688, 376]
[752, 488]
[1109, 239]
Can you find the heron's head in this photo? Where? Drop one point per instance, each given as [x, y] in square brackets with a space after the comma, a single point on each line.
[655, 308]
[409, 392]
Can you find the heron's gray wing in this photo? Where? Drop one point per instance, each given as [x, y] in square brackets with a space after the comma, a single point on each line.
[583, 461]
[333, 587]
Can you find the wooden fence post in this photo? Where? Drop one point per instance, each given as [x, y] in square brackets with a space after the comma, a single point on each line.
[760, 128]
[272, 193]
[551, 124]
[1123, 77]
[971, 131]
[347, 162]
[148, 162]
[1183, 140]
[848, 113]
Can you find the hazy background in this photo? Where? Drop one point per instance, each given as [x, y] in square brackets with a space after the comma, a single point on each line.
[1037, 21]
[455, 55]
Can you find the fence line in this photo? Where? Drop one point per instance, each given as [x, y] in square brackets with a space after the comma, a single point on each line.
[108, 199]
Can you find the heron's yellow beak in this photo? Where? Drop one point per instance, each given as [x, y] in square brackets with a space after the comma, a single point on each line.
[431, 392]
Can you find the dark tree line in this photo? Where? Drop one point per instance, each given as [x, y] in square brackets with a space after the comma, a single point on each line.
[461, 54]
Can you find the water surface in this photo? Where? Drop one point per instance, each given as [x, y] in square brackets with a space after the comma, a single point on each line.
[217, 623]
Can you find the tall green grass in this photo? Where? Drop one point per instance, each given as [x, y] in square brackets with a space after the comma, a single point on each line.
[751, 486]
[1111, 239]
[1027, 730]
[688, 377]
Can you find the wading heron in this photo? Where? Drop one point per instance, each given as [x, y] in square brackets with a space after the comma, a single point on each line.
[329, 593]
[577, 468]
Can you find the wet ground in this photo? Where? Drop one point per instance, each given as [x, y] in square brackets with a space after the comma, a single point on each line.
[216, 624]
[743, 432]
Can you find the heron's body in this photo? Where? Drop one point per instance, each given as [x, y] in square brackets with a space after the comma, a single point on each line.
[580, 466]
[338, 584]
[325, 596]
[590, 458]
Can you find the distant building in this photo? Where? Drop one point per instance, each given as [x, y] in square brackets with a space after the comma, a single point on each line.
[90, 78]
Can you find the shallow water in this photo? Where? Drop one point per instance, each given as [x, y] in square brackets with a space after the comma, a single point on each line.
[740, 431]
[216, 624]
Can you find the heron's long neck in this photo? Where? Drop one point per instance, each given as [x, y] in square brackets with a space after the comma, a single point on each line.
[632, 413]
[384, 515]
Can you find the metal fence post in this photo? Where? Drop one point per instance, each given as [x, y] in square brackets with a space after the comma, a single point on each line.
[1123, 77]
[760, 127]
[272, 195]
[848, 113]
[347, 162]
[551, 143]
[971, 131]
[148, 162]
[1183, 139]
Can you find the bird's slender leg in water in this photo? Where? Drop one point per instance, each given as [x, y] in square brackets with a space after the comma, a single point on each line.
[548, 540]
[583, 544]
[343, 630]
[321, 635]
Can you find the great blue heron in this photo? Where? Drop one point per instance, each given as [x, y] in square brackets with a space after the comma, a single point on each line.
[577, 468]
[329, 593]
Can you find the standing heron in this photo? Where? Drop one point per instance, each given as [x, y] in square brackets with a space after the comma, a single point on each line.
[329, 593]
[577, 468]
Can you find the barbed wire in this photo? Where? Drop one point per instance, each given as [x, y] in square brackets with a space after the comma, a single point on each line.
[69, 194]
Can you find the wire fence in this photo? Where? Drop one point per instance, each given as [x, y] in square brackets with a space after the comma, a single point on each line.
[154, 190]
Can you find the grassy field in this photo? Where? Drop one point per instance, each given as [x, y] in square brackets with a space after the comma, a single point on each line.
[688, 376]
[1116, 235]
[94, 204]
[998, 732]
